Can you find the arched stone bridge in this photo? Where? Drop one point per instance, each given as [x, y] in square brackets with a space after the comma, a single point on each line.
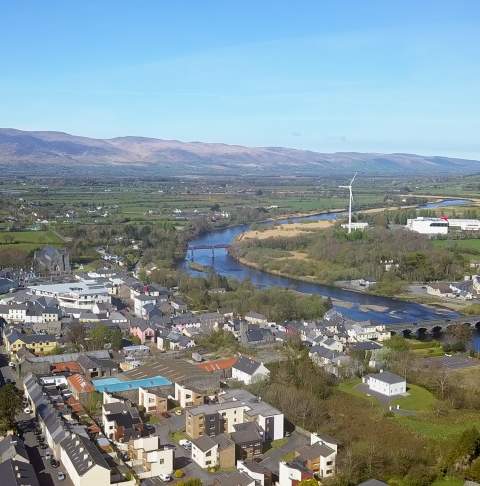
[433, 326]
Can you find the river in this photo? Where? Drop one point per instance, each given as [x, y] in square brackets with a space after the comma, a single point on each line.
[354, 305]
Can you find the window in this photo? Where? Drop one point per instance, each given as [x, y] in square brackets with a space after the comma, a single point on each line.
[161, 461]
[329, 463]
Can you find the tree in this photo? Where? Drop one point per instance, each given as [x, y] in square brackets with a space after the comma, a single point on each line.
[10, 404]
[308, 482]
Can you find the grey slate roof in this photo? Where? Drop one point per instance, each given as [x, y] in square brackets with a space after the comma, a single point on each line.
[234, 479]
[247, 365]
[12, 447]
[204, 443]
[77, 447]
[388, 377]
[16, 473]
[247, 432]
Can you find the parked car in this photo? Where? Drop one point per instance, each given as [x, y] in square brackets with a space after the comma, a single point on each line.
[61, 476]
[178, 411]
[43, 446]
[166, 415]
[11, 364]
[186, 444]
[27, 410]
[165, 477]
[54, 463]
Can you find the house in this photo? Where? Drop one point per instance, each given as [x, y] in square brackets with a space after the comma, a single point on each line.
[255, 318]
[386, 383]
[233, 479]
[38, 344]
[83, 462]
[318, 458]
[291, 473]
[260, 474]
[148, 458]
[249, 440]
[213, 419]
[332, 361]
[93, 367]
[217, 451]
[154, 400]
[270, 420]
[249, 371]
[440, 290]
[367, 331]
[12, 447]
[121, 421]
[253, 335]
[143, 330]
[140, 301]
[17, 473]
[223, 365]
[80, 387]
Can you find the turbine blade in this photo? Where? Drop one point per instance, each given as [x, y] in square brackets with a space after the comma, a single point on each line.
[351, 182]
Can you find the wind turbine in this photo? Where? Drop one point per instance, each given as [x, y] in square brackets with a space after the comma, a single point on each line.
[349, 187]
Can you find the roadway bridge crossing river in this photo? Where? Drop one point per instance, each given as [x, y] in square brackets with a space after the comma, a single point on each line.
[434, 326]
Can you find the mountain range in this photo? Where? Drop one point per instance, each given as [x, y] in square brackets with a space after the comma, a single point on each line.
[56, 153]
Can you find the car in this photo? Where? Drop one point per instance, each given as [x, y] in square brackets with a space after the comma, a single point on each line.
[27, 410]
[11, 364]
[149, 428]
[186, 444]
[166, 415]
[43, 446]
[178, 411]
[165, 477]
[54, 463]
[61, 476]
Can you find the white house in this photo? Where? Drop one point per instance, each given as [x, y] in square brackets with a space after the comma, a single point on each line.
[249, 371]
[386, 383]
[149, 458]
[83, 462]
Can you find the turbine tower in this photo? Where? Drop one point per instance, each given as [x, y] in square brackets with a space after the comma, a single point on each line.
[349, 187]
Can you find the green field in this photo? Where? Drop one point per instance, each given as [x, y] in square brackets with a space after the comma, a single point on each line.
[28, 241]
[467, 246]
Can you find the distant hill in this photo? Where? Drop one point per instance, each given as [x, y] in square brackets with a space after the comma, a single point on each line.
[49, 153]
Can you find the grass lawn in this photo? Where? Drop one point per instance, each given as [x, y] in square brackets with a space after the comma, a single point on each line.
[471, 245]
[276, 444]
[448, 482]
[418, 399]
[178, 435]
[441, 428]
[29, 237]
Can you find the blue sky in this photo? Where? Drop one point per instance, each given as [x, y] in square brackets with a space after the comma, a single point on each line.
[344, 75]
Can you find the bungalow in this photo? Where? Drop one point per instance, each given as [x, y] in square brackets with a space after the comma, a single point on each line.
[249, 371]
[386, 383]
[332, 361]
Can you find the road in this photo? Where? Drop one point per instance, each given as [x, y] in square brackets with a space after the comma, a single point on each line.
[47, 475]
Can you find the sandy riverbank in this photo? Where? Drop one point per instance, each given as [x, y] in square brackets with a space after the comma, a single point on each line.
[285, 230]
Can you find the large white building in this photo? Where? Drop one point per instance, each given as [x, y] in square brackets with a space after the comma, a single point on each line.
[84, 295]
[428, 226]
[441, 226]
[386, 383]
